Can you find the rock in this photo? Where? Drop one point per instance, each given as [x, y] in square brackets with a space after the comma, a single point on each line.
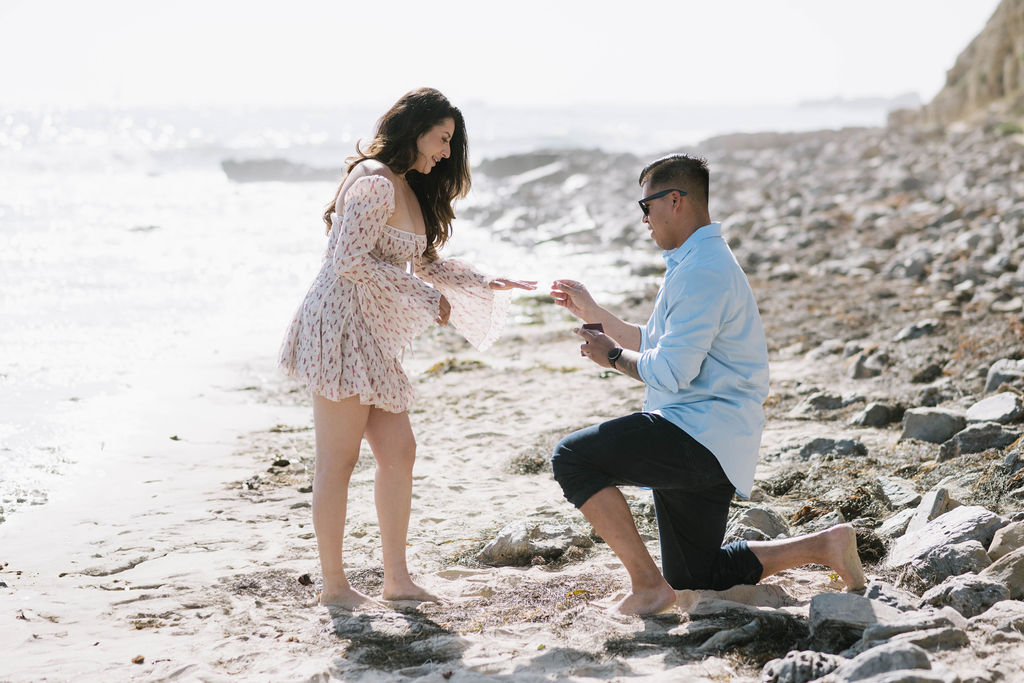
[927, 374]
[837, 620]
[1007, 615]
[965, 523]
[904, 676]
[940, 563]
[968, 594]
[875, 415]
[800, 666]
[899, 492]
[896, 525]
[1014, 461]
[977, 438]
[908, 622]
[764, 520]
[1006, 540]
[935, 639]
[831, 448]
[917, 330]
[826, 521]
[934, 503]
[890, 595]
[884, 658]
[1009, 571]
[1003, 408]
[731, 637]
[933, 425]
[518, 543]
[1004, 371]
[822, 400]
[865, 366]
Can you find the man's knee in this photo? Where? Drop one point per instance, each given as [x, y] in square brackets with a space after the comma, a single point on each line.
[566, 460]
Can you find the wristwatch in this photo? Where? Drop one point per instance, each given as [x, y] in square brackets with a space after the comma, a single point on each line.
[614, 355]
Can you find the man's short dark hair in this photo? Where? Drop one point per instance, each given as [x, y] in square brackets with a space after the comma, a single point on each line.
[680, 171]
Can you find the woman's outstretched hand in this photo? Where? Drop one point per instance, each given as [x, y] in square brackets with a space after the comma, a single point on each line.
[574, 297]
[504, 283]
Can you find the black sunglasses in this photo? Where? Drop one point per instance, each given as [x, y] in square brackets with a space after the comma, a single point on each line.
[643, 202]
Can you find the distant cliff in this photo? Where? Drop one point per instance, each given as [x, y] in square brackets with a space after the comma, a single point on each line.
[990, 71]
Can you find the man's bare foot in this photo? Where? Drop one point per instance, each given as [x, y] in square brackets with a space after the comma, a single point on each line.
[347, 598]
[647, 601]
[407, 590]
[841, 555]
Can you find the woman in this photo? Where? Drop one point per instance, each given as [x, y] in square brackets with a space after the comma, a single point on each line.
[393, 208]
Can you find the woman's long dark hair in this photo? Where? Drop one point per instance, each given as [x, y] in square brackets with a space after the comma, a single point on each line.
[394, 144]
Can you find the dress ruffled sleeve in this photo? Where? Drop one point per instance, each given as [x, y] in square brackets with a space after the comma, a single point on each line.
[396, 305]
[478, 312]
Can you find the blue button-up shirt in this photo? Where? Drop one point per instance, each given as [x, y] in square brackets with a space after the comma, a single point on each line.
[703, 355]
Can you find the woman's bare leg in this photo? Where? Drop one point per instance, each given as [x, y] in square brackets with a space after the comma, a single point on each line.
[339, 429]
[394, 447]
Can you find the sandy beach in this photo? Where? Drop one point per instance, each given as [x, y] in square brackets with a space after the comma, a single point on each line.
[205, 568]
[890, 298]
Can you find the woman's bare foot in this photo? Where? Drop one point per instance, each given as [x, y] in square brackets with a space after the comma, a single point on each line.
[347, 598]
[840, 552]
[647, 601]
[407, 590]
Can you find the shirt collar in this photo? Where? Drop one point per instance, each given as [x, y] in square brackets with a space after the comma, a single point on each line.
[675, 256]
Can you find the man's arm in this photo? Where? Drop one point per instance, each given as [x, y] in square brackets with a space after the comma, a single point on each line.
[574, 297]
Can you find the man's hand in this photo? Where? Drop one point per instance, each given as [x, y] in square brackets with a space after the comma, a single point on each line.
[444, 311]
[574, 297]
[595, 346]
[504, 283]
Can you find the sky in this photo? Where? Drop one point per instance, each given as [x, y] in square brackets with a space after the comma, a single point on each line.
[520, 53]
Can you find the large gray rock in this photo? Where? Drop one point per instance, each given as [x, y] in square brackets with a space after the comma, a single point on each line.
[837, 620]
[1004, 370]
[757, 524]
[934, 503]
[800, 666]
[969, 594]
[1009, 571]
[909, 622]
[888, 594]
[1006, 540]
[1003, 407]
[896, 525]
[518, 543]
[977, 438]
[875, 415]
[935, 639]
[965, 523]
[938, 564]
[934, 425]
[882, 659]
[899, 492]
[1007, 616]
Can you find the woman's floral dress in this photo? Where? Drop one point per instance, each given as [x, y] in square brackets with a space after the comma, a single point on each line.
[365, 307]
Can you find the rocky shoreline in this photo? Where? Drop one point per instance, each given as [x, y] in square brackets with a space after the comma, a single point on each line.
[886, 263]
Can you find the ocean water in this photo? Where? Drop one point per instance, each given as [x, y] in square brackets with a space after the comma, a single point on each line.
[133, 270]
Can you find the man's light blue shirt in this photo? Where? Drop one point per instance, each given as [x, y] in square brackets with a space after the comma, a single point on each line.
[703, 354]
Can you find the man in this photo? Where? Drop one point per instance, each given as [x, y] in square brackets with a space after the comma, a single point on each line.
[704, 359]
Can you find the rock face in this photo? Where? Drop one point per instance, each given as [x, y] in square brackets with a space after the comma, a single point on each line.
[990, 70]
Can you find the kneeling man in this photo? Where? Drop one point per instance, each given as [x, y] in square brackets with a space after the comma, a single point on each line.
[703, 358]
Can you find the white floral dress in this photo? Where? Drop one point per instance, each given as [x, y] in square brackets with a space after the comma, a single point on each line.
[365, 307]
